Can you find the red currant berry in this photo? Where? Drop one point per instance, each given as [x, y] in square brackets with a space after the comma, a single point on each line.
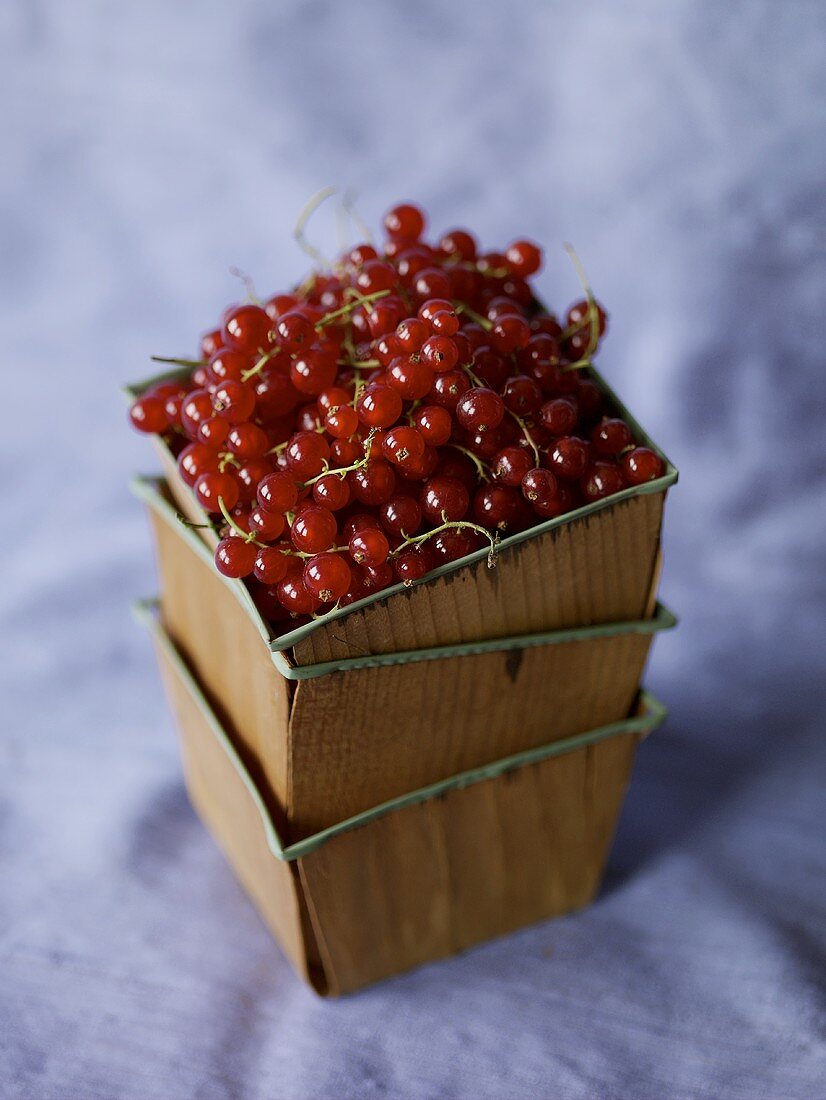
[603, 479]
[440, 352]
[210, 342]
[294, 331]
[559, 416]
[431, 282]
[413, 563]
[307, 453]
[524, 258]
[510, 333]
[444, 498]
[539, 486]
[313, 371]
[580, 315]
[197, 407]
[641, 465]
[510, 465]
[375, 276]
[385, 315]
[234, 557]
[611, 436]
[411, 378]
[455, 543]
[448, 388]
[148, 414]
[431, 306]
[196, 459]
[361, 254]
[404, 221]
[247, 440]
[434, 423]
[379, 406]
[228, 364]
[502, 508]
[568, 458]
[213, 431]
[295, 597]
[211, 488]
[247, 329]
[458, 243]
[374, 483]
[265, 525]
[327, 577]
[234, 401]
[521, 395]
[480, 410]
[278, 492]
[402, 443]
[411, 334]
[401, 516]
[341, 422]
[369, 547]
[332, 491]
[314, 529]
[270, 565]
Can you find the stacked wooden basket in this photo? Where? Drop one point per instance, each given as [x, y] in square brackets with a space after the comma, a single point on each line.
[427, 768]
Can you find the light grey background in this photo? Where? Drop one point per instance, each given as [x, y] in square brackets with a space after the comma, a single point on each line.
[146, 148]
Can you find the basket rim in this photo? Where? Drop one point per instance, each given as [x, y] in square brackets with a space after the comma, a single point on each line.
[659, 485]
[148, 490]
[652, 716]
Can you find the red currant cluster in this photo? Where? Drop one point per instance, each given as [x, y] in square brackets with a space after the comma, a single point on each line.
[389, 416]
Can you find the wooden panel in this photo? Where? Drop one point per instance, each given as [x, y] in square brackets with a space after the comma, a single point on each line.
[598, 569]
[362, 737]
[436, 878]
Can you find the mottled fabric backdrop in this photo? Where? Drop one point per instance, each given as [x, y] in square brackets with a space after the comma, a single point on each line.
[145, 149]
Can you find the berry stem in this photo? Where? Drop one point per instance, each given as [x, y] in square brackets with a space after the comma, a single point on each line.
[530, 439]
[483, 322]
[475, 459]
[179, 362]
[300, 226]
[593, 312]
[259, 366]
[239, 531]
[348, 307]
[446, 525]
[342, 471]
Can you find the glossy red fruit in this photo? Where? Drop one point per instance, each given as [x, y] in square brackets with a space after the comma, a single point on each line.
[559, 416]
[510, 333]
[294, 331]
[327, 577]
[375, 276]
[434, 424]
[196, 459]
[306, 454]
[247, 440]
[448, 388]
[314, 529]
[510, 465]
[413, 563]
[278, 492]
[524, 258]
[266, 526]
[641, 465]
[458, 243]
[410, 377]
[445, 323]
[568, 458]
[522, 395]
[411, 334]
[332, 491]
[501, 508]
[401, 516]
[539, 486]
[601, 480]
[211, 488]
[455, 543]
[431, 282]
[374, 483]
[210, 342]
[480, 410]
[234, 557]
[313, 371]
[341, 422]
[213, 431]
[369, 546]
[402, 443]
[379, 406]
[295, 597]
[246, 328]
[611, 436]
[580, 315]
[271, 564]
[404, 221]
[440, 352]
[228, 363]
[444, 498]
[196, 407]
[148, 414]
[234, 401]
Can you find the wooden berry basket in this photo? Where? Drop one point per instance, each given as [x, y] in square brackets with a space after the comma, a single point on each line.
[424, 875]
[597, 564]
[328, 741]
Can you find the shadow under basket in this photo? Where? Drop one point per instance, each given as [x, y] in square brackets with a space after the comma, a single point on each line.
[422, 876]
[597, 564]
[330, 740]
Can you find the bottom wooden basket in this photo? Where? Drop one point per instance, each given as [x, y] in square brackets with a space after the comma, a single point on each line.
[427, 874]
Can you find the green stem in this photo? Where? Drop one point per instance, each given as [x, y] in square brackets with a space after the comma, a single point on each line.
[445, 526]
[348, 307]
[179, 362]
[259, 366]
[527, 434]
[483, 322]
[239, 531]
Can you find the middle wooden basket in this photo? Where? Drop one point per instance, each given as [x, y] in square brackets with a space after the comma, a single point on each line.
[330, 740]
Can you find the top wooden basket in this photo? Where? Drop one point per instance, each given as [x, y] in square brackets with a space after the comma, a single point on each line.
[597, 564]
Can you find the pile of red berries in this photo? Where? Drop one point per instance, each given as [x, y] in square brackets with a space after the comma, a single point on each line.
[390, 415]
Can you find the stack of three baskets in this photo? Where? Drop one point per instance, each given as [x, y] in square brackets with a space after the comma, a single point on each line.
[428, 768]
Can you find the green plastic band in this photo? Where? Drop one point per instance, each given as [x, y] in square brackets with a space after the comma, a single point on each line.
[653, 716]
[149, 491]
[660, 485]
